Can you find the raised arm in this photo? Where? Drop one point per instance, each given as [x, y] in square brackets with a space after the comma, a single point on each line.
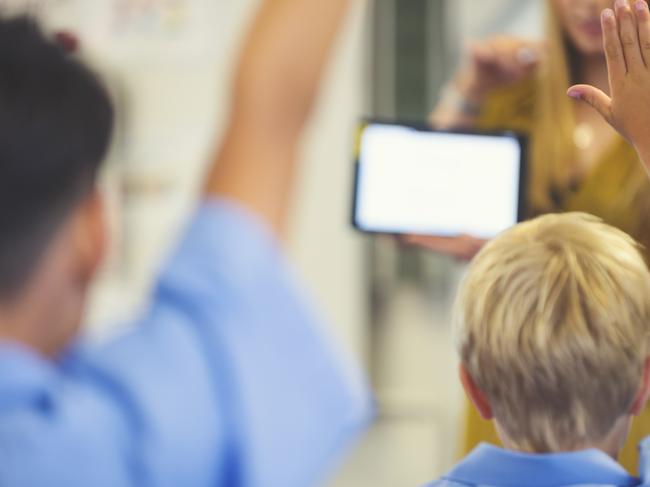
[626, 35]
[491, 65]
[276, 84]
[271, 403]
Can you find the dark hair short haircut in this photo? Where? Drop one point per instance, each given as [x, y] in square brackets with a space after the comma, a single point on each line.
[56, 122]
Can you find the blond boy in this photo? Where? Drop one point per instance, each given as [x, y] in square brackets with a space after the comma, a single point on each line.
[553, 318]
[553, 330]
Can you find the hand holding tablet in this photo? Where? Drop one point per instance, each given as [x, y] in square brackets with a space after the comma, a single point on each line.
[416, 181]
[462, 248]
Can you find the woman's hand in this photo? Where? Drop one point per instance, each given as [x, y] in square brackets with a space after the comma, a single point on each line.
[498, 63]
[495, 63]
[463, 247]
[626, 35]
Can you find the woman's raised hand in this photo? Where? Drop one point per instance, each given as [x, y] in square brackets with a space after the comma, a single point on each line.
[626, 33]
[497, 63]
[494, 63]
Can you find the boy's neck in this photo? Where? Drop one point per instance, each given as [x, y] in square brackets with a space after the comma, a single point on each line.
[45, 316]
[37, 325]
[611, 445]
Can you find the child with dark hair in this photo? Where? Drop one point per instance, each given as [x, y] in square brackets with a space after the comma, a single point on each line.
[227, 379]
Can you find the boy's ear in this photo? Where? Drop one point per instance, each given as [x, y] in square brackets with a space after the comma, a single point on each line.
[478, 398]
[643, 393]
[90, 236]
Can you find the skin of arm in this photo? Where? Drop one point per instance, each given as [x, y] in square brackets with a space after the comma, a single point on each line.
[275, 88]
[448, 114]
[494, 63]
[626, 34]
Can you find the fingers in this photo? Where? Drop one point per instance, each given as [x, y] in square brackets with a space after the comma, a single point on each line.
[528, 56]
[522, 52]
[445, 245]
[626, 38]
[594, 97]
[613, 49]
[643, 22]
[462, 247]
[629, 36]
[509, 62]
[481, 53]
[510, 56]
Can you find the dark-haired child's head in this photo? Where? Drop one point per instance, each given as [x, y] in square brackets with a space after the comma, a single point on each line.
[56, 121]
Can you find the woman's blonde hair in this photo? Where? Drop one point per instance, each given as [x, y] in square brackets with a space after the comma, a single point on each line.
[553, 152]
[553, 324]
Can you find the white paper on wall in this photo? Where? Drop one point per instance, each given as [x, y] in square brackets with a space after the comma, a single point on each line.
[156, 28]
[129, 30]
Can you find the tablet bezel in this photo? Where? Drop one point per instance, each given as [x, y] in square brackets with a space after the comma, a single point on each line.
[522, 207]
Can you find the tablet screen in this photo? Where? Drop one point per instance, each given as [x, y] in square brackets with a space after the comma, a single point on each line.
[436, 183]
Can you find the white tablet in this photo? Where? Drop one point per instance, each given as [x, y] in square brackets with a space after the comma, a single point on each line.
[415, 180]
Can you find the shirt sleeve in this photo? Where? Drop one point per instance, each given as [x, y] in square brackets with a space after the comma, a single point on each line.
[230, 362]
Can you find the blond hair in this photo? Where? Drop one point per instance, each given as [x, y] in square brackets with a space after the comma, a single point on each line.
[554, 157]
[553, 324]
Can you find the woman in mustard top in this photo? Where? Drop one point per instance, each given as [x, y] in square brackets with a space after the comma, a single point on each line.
[578, 163]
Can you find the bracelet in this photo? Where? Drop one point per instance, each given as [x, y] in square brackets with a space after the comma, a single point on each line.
[451, 97]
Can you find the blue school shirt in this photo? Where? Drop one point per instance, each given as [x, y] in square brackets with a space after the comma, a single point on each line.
[227, 380]
[489, 466]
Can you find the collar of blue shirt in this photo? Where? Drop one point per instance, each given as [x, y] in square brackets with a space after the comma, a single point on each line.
[24, 376]
[489, 465]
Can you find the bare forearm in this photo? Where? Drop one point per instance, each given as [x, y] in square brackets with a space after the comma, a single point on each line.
[445, 117]
[276, 84]
[284, 58]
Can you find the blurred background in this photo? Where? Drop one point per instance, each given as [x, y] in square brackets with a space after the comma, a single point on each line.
[168, 63]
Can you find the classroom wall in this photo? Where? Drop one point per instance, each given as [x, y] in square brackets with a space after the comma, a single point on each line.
[479, 20]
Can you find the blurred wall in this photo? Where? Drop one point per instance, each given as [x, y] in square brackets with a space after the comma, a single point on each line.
[478, 20]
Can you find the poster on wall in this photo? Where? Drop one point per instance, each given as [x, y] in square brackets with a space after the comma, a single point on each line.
[148, 27]
[28, 6]
[132, 29]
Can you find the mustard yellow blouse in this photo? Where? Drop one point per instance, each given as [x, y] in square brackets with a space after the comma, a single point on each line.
[603, 192]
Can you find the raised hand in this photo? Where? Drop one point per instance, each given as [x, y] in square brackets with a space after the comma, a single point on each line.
[626, 33]
[274, 92]
[499, 62]
[492, 64]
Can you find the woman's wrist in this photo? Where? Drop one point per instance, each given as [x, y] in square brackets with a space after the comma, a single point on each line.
[461, 103]
[470, 88]
[457, 101]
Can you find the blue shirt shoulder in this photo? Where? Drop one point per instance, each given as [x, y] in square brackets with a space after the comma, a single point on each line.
[226, 376]
[447, 483]
[489, 466]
